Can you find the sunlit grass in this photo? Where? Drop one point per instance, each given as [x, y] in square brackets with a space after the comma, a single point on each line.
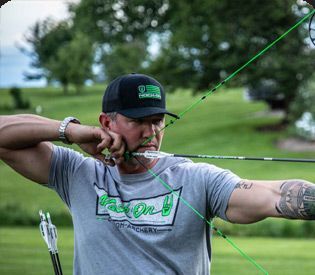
[22, 251]
[224, 124]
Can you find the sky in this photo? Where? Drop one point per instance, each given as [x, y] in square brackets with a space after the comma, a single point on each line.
[16, 17]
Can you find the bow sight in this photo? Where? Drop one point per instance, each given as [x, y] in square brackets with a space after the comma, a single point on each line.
[311, 29]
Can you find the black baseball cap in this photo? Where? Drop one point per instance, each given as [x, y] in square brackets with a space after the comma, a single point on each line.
[135, 96]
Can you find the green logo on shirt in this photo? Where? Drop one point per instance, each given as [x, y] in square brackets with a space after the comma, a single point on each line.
[138, 209]
[149, 91]
[159, 210]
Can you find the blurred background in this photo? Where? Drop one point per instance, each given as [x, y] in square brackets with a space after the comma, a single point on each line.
[56, 58]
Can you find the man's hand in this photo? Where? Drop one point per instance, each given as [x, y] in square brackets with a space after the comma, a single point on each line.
[25, 143]
[94, 140]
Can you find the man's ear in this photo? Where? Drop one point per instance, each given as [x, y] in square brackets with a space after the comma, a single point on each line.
[105, 121]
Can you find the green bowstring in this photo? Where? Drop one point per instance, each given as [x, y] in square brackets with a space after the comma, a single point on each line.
[209, 222]
[195, 104]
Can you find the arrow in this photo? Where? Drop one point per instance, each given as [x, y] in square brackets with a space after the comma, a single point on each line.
[49, 234]
[159, 154]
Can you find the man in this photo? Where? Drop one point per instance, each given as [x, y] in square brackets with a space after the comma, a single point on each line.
[125, 220]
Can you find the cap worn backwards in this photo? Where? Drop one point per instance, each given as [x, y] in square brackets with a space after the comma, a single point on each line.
[135, 96]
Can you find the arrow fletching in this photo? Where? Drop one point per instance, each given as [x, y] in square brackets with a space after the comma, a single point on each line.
[153, 154]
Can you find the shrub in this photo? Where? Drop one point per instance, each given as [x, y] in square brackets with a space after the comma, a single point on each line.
[19, 102]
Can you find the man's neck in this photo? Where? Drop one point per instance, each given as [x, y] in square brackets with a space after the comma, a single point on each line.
[135, 167]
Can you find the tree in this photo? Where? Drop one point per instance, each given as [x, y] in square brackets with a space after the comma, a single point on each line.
[121, 29]
[59, 54]
[125, 58]
[122, 21]
[73, 62]
[216, 37]
[203, 41]
[45, 38]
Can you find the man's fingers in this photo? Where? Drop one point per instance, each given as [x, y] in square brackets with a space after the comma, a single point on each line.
[105, 143]
[100, 140]
[117, 148]
[115, 145]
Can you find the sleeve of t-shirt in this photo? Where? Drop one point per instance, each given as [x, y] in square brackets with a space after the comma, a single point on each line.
[220, 185]
[64, 164]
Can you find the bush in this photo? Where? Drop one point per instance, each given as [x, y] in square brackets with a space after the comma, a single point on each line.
[269, 228]
[268, 91]
[305, 126]
[15, 214]
[304, 102]
[19, 102]
[302, 112]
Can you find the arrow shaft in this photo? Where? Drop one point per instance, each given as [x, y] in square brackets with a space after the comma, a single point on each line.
[159, 154]
[246, 158]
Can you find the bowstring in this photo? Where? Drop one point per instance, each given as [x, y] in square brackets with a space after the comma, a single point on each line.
[209, 222]
[197, 103]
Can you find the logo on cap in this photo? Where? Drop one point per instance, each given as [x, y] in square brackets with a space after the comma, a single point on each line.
[149, 91]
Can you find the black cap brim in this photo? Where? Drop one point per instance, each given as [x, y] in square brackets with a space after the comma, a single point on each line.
[145, 112]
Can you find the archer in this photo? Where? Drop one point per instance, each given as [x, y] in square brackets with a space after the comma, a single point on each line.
[116, 242]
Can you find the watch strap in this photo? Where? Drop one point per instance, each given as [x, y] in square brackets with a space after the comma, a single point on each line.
[63, 126]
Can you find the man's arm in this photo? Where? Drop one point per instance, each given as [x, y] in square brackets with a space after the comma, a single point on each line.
[23, 146]
[25, 143]
[252, 201]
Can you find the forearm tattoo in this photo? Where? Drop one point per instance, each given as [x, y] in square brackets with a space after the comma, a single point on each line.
[297, 200]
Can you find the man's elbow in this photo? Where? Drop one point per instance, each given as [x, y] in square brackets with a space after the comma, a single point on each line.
[241, 217]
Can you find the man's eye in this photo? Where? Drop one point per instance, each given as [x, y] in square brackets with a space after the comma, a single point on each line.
[138, 121]
[158, 122]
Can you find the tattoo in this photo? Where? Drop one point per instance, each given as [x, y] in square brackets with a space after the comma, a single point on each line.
[243, 185]
[297, 200]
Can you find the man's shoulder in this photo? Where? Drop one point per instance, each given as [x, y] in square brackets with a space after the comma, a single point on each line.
[62, 150]
[61, 153]
[185, 166]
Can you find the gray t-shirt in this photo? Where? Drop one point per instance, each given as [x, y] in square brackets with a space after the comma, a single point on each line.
[133, 224]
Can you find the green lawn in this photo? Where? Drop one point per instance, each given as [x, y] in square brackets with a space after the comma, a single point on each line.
[223, 124]
[22, 251]
[276, 256]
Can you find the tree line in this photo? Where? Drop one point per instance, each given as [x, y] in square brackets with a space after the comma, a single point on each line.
[184, 44]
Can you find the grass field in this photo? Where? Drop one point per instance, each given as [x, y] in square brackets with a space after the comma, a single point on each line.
[224, 124]
[22, 251]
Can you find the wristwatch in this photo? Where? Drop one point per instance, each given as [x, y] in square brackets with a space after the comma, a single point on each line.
[63, 126]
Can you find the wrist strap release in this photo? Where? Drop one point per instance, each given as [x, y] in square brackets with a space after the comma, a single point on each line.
[63, 126]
